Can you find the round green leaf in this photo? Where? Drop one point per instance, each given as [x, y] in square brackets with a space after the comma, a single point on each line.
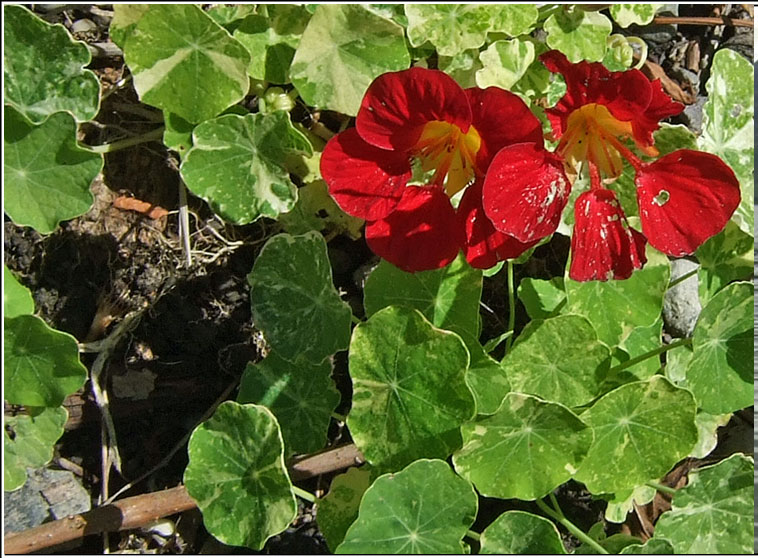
[236, 164]
[343, 49]
[236, 474]
[728, 124]
[513, 19]
[44, 70]
[47, 176]
[487, 380]
[525, 450]
[294, 301]
[578, 34]
[17, 299]
[559, 359]
[622, 502]
[184, 62]
[177, 134]
[447, 297]
[628, 14]
[640, 341]
[462, 67]
[271, 40]
[540, 297]
[424, 509]
[125, 19]
[32, 444]
[301, 395]
[626, 304]
[42, 364]
[723, 258]
[655, 545]
[719, 374]
[713, 514]
[519, 532]
[707, 425]
[504, 63]
[641, 430]
[409, 392]
[451, 28]
[339, 508]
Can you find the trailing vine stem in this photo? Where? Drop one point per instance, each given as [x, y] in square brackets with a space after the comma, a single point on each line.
[682, 278]
[473, 535]
[152, 135]
[661, 487]
[304, 494]
[655, 352]
[511, 305]
[556, 513]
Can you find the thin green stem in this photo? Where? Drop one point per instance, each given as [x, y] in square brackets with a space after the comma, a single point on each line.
[152, 135]
[304, 494]
[557, 514]
[355, 319]
[511, 305]
[661, 487]
[650, 354]
[682, 278]
[339, 417]
[473, 535]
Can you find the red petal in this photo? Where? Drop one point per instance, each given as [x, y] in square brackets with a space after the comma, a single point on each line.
[398, 104]
[685, 198]
[603, 245]
[484, 245]
[420, 234]
[525, 191]
[365, 181]
[501, 118]
[661, 106]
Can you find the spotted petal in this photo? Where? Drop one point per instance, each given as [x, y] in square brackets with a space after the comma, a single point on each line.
[485, 245]
[365, 181]
[502, 119]
[398, 104]
[603, 245]
[420, 234]
[525, 191]
[685, 198]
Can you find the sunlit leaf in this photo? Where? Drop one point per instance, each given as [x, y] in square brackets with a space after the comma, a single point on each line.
[17, 299]
[628, 14]
[723, 258]
[339, 508]
[541, 297]
[504, 63]
[578, 34]
[519, 532]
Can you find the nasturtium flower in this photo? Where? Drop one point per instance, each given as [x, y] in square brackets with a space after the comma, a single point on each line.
[420, 140]
[684, 197]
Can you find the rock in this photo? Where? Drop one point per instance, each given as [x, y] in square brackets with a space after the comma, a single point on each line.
[692, 117]
[681, 304]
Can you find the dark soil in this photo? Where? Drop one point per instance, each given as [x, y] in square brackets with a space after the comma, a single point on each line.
[196, 333]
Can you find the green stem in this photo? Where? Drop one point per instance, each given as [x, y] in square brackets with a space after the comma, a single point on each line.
[494, 343]
[511, 305]
[682, 278]
[339, 417]
[655, 352]
[355, 319]
[304, 494]
[152, 135]
[473, 535]
[557, 514]
[661, 487]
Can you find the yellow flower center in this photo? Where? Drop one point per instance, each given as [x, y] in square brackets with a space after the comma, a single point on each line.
[592, 133]
[451, 154]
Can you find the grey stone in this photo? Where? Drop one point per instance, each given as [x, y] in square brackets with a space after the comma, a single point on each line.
[681, 304]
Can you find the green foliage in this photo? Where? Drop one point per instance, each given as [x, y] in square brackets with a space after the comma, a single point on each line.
[339, 508]
[237, 164]
[343, 48]
[315, 210]
[301, 395]
[409, 392]
[525, 450]
[296, 305]
[728, 124]
[724, 258]
[47, 176]
[184, 62]
[719, 373]
[713, 514]
[519, 532]
[641, 430]
[622, 502]
[236, 474]
[628, 14]
[28, 442]
[540, 297]
[487, 380]
[423, 509]
[559, 359]
[43, 69]
[655, 545]
[17, 299]
[41, 364]
[578, 34]
[504, 63]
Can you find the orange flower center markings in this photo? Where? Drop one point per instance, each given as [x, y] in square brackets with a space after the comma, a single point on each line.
[593, 135]
[450, 153]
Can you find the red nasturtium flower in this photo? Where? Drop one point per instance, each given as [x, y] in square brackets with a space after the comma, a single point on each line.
[684, 197]
[422, 120]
